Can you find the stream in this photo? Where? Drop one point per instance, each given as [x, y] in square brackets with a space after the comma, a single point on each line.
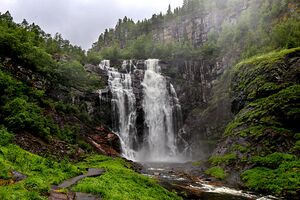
[186, 180]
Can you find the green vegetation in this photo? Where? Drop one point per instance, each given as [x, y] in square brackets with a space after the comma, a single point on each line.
[50, 64]
[5, 136]
[266, 94]
[197, 163]
[265, 88]
[119, 182]
[277, 173]
[40, 172]
[217, 172]
[264, 26]
[270, 103]
[225, 159]
[33, 65]
[273, 160]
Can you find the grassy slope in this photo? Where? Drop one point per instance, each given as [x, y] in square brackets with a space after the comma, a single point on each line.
[119, 182]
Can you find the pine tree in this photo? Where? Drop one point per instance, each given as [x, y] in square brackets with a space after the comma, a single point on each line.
[169, 11]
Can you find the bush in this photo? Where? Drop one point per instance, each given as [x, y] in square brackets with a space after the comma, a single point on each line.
[5, 137]
[273, 160]
[287, 34]
[283, 180]
[21, 115]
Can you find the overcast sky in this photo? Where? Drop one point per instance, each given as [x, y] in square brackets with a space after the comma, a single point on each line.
[82, 21]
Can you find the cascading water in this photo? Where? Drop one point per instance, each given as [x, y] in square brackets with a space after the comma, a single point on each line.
[123, 108]
[158, 105]
[161, 110]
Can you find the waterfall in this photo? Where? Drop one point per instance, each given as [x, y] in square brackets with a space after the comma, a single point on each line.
[123, 108]
[159, 106]
[161, 111]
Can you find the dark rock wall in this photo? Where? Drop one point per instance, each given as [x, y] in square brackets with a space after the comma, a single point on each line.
[202, 88]
[203, 97]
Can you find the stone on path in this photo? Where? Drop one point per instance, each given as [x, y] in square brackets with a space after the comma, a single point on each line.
[55, 194]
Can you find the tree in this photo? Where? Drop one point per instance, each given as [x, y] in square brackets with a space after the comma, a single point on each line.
[169, 11]
[24, 23]
[6, 17]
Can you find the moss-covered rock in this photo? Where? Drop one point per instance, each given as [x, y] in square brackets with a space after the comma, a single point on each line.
[217, 172]
[265, 93]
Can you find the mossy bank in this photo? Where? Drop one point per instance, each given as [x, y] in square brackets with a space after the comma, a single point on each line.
[260, 146]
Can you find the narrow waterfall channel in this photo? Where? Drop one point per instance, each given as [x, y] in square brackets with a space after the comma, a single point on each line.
[160, 107]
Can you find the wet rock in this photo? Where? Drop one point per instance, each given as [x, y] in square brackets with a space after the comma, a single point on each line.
[84, 196]
[17, 176]
[105, 142]
[55, 195]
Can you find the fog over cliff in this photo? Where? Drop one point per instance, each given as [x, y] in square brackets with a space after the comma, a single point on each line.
[91, 16]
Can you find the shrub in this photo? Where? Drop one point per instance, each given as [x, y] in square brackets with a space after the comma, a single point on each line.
[283, 180]
[273, 160]
[21, 115]
[5, 137]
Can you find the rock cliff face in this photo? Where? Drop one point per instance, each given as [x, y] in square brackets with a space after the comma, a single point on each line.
[203, 99]
[201, 92]
[203, 119]
[195, 26]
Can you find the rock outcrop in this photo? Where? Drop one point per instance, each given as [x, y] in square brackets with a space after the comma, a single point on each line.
[262, 138]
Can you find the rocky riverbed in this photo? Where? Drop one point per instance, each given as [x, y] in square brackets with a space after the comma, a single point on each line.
[189, 181]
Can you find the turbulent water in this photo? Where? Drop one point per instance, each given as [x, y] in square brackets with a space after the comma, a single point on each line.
[123, 108]
[158, 107]
[181, 177]
[161, 110]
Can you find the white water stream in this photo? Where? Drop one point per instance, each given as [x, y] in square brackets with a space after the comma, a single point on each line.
[123, 108]
[159, 105]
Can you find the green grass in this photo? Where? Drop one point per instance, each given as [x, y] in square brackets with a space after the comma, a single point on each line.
[40, 172]
[273, 160]
[217, 172]
[121, 182]
[267, 113]
[268, 58]
[197, 163]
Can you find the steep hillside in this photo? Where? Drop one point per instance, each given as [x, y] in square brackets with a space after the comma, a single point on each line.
[43, 86]
[261, 143]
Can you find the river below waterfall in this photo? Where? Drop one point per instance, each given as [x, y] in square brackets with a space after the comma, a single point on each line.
[186, 180]
[160, 142]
